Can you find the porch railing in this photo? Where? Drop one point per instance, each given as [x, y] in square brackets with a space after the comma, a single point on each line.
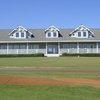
[85, 50]
[61, 51]
[22, 51]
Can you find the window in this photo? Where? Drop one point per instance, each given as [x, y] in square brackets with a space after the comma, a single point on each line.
[22, 34]
[3, 46]
[54, 34]
[17, 34]
[22, 46]
[84, 34]
[70, 45]
[49, 34]
[79, 34]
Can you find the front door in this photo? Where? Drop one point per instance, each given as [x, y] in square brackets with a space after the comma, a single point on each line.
[52, 48]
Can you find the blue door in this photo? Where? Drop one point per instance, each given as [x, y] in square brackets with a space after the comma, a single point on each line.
[52, 48]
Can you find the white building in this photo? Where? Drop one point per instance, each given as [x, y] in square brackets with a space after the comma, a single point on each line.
[51, 41]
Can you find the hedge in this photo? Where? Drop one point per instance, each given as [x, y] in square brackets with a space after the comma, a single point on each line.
[22, 55]
[82, 55]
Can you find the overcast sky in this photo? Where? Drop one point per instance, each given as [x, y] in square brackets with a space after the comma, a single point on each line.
[43, 13]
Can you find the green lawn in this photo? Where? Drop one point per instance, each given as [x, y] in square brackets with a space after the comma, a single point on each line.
[22, 92]
[72, 62]
[53, 74]
[26, 92]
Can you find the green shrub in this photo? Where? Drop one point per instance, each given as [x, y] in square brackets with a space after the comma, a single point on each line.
[23, 55]
[82, 55]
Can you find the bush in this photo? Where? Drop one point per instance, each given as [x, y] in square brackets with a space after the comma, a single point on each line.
[82, 55]
[23, 55]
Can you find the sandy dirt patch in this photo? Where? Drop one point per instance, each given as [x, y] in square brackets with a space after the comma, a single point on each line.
[95, 82]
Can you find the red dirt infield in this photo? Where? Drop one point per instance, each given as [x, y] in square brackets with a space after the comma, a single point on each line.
[95, 82]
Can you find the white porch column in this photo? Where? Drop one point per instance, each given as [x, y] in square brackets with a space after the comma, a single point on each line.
[46, 48]
[27, 48]
[7, 47]
[17, 51]
[97, 46]
[59, 48]
[77, 47]
[68, 50]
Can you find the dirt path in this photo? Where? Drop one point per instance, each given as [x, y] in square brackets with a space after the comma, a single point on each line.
[95, 82]
[29, 69]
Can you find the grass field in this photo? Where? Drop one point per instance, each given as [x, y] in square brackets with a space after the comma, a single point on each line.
[21, 92]
[69, 62]
[53, 74]
[29, 92]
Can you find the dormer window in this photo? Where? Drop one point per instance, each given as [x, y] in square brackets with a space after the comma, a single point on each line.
[49, 34]
[52, 35]
[52, 32]
[17, 34]
[81, 32]
[84, 34]
[20, 32]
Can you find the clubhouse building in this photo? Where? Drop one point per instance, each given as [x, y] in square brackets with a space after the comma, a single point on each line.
[51, 41]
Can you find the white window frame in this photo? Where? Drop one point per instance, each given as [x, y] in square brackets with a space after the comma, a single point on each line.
[49, 34]
[84, 35]
[52, 35]
[17, 33]
[55, 34]
[20, 35]
[79, 35]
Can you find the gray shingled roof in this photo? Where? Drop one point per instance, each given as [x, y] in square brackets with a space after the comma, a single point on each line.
[39, 36]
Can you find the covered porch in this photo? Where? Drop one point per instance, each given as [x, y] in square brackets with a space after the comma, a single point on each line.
[50, 49]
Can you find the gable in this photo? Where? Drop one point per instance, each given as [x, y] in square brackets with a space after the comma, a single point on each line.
[82, 32]
[52, 32]
[20, 32]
